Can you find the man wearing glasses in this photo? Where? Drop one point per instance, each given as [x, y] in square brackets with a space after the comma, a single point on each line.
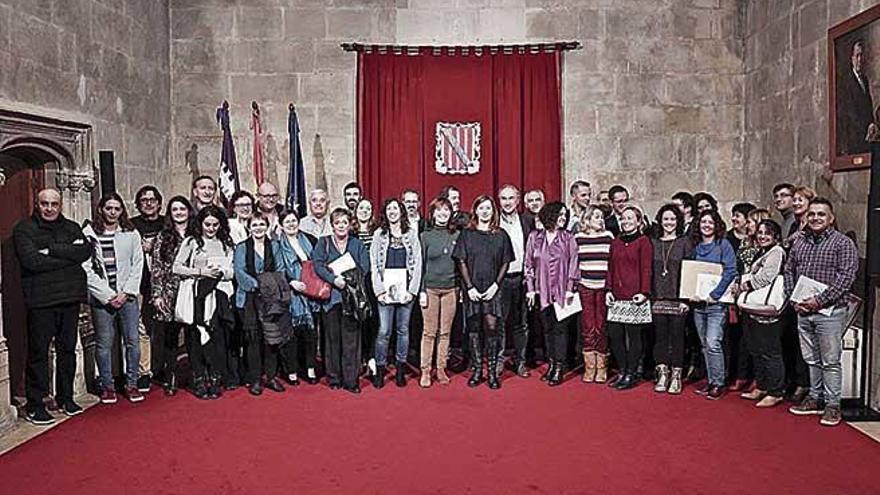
[267, 203]
[782, 194]
[149, 222]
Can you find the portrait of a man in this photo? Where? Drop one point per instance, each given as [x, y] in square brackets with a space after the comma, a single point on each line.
[855, 106]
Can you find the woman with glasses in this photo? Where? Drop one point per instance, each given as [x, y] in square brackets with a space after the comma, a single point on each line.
[242, 204]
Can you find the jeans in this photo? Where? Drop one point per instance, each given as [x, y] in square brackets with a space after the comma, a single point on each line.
[44, 325]
[105, 319]
[396, 317]
[822, 346]
[709, 321]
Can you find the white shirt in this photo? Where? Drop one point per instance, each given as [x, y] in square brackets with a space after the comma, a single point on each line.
[318, 228]
[513, 227]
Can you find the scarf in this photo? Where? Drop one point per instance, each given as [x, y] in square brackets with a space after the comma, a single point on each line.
[300, 307]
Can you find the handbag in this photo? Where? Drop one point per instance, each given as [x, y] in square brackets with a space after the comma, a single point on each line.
[185, 305]
[767, 301]
[316, 287]
[629, 313]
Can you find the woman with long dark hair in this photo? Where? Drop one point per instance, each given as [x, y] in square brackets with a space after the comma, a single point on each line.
[629, 277]
[395, 247]
[363, 225]
[765, 332]
[710, 315]
[552, 275]
[114, 281]
[205, 255]
[179, 214]
[483, 253]
[439, 290]
[293, 248]
[669, 314]
[252, 257]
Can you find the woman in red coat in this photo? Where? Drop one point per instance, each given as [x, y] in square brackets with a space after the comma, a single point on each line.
[629, 279]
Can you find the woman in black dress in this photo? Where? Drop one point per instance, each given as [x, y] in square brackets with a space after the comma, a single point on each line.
[483, 253]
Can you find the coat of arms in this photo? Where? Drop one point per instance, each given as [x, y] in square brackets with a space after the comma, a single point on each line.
[458, 148]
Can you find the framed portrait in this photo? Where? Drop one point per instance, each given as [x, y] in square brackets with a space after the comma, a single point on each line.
[854, 90]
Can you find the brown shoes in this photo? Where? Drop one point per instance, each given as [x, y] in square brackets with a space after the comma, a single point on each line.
[442, 377]
[754, 394]
[770, 401]
[425, 379]
[590, 358]
[601, 370]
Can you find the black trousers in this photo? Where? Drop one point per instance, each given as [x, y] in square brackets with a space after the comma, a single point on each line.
[736, 350]
[796, 371]
[341, 357]
[669, 333]
[301, 350]
[56, 323]
[765, 346]
[273, 356]
[513, 318]
[626, 345]
[207, 360]
[556, 335]
[251, 359]
[167, 333]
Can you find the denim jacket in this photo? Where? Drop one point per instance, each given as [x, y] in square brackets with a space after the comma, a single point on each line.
[379, 252]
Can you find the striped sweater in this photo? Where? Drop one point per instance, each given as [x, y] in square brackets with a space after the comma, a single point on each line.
[594, 251]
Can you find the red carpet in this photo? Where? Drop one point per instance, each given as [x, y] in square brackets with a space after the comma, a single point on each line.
[525, 438]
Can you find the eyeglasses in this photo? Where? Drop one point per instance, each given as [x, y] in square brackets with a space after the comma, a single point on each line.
[243, 205]
[272, 196]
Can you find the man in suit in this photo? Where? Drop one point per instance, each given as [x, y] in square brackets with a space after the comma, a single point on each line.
[619, 200]
[518, 228]
[855, 107]
[412, 202]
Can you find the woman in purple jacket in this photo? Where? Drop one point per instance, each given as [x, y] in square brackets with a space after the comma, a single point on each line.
[551, 268]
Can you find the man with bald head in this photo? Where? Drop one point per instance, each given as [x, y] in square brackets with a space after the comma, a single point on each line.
[50, 251]
[268, 205]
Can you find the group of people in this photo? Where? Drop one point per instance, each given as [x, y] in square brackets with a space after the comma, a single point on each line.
[262, 298]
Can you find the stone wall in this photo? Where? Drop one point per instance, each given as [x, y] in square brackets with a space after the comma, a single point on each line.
[102, 62]
[654, 100]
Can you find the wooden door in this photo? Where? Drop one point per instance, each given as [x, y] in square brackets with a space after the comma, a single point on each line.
[16, 203]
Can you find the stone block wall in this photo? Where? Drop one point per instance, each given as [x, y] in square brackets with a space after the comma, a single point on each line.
[653, 101]
[103, 62]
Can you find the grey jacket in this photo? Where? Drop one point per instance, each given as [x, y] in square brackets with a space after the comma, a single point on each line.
[129, 265]
[379, 251]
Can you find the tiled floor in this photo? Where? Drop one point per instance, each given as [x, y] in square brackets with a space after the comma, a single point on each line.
[23, 431]
[872, 429]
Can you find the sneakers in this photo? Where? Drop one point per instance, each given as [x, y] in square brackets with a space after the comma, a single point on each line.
[108, 396]
[71, 408]
[807, 407]
[133, 394]
[143, 384]
[831, 416]
[716, 392]
[39, 416]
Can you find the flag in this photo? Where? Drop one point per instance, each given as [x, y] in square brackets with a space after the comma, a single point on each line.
[229, 183]
[296, 172]
[257, 126]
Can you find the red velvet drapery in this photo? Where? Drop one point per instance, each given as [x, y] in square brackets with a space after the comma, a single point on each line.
[515, 97]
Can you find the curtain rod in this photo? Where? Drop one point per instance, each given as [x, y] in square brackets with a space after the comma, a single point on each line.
[465, 49]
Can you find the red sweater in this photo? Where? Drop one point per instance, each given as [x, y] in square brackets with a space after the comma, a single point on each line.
[630, 267]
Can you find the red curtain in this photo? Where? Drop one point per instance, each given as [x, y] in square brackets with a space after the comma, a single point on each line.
[515, 97]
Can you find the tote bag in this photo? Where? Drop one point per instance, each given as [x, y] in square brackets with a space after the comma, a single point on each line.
[767, 301]
[316, 287]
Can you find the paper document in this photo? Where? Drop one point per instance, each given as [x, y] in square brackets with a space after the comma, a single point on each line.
[805, 288]
[342, 264]
[563, 312]
[394, 280]
[707, 282]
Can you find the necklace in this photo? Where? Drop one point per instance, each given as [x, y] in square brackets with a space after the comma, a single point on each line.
[666, 253]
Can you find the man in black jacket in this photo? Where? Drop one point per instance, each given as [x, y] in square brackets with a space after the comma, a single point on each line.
[51, 250]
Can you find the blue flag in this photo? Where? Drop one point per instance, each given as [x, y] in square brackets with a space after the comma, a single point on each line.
[229, 183]
[296, 172]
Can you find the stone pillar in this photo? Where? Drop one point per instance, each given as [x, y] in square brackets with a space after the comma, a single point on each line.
[7, 411]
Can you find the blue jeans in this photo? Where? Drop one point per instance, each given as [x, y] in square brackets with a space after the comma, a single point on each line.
[394, 316]
[822, 346]
[105, 319]
[710, 327]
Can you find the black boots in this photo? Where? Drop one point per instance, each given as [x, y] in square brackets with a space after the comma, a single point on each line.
[628, 381]
[494, 362]
[379, 377]
[200, 388]
[476, 360]
[214, 389]
[557, 371]
[400, 375]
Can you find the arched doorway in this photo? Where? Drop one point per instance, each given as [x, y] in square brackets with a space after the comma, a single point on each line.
[23, 169]
[36, 151]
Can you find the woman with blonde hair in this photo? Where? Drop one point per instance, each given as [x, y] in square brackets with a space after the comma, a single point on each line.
[593, 252]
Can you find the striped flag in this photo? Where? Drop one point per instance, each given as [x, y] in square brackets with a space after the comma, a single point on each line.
[257, 126]
[229, 183]
[296, 173]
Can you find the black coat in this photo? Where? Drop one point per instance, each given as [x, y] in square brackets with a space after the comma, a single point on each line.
[57, 277]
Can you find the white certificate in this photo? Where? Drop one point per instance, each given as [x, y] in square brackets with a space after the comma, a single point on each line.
[805, 288]
[342, 264]
[563, 312]
[707, 282]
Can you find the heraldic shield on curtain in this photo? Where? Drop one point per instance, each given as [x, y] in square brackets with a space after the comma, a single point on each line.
[451, 116]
